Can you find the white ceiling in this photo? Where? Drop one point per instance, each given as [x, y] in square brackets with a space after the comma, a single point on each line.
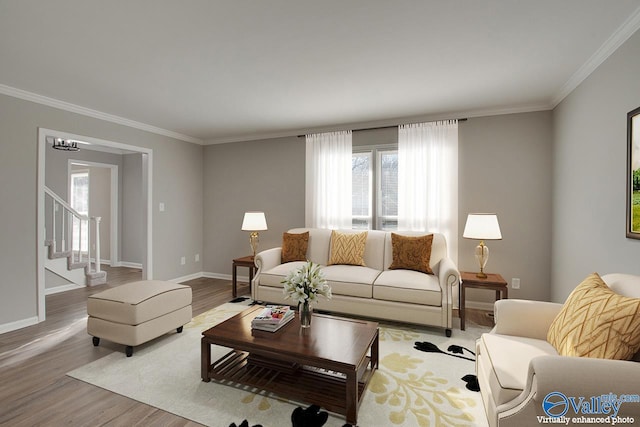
[217, 71]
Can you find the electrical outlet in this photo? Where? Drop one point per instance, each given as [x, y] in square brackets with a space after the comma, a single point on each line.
[183, 261]
[197, 257]
[515, 283]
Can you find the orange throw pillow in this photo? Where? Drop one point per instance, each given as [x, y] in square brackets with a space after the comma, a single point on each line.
[294, 247]
[411, 253]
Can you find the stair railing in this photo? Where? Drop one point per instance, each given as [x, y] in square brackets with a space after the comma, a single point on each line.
[65, 216]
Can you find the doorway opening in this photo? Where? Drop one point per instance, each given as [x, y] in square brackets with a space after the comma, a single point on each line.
[90, 143]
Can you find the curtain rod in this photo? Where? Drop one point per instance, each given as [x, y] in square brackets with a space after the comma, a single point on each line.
[392, 126]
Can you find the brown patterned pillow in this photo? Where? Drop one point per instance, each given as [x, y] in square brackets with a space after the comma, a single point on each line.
[294, 247]
[347, 248]
[597, 322]
[411, 253]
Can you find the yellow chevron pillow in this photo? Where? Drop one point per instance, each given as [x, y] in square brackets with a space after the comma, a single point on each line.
[597, 322]
[347, 248]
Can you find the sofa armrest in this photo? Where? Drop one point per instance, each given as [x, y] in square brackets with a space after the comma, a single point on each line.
[268, 259]
[573, 377]
[265, 260]
[449, 276]
[524, 318]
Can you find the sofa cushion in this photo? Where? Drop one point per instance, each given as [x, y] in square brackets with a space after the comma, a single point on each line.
[294, 247]
[411, 253]
[597, 322]
[509, 358]
[276, 275]
[408, 286]
[351, 280]
[347, 248]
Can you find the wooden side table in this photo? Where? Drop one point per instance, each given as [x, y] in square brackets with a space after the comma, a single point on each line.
[245, 261]
[470, 280]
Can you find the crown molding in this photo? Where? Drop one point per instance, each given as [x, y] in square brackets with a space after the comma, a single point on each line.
[621, 35]
[73, 108]
[355, 126]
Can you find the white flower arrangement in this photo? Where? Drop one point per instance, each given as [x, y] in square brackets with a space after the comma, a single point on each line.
[305, 284]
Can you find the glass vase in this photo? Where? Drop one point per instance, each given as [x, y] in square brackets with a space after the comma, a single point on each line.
[305, 314]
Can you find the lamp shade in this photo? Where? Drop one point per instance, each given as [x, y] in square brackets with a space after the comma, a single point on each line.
[482, 226]
[254, 221]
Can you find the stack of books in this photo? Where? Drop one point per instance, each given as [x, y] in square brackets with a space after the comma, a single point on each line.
[272, 318]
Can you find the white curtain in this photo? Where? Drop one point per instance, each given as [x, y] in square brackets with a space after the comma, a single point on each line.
[328, 180]
[428, 180]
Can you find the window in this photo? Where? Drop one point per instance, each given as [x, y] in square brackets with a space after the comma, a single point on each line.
[375, 184]
[79, 200]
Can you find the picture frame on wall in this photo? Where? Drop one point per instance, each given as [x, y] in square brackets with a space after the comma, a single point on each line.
[633, 174]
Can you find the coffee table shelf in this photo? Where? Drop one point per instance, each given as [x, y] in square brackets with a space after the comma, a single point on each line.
[312, 366]
[301, 383]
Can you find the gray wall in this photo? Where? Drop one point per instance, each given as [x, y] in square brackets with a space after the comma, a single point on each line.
[505, 167]
[177, 180]
[512, 154]
[589, 192]
[132, 209]
[264, 176]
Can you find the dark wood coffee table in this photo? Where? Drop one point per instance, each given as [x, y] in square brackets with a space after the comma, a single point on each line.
[329, 364]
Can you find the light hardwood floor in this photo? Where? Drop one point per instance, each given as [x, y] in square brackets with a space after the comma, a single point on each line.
[34, 390]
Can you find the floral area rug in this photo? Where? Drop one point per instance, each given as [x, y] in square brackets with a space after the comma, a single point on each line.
[410, 388]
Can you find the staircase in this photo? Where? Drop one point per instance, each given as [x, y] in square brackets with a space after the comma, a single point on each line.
[63, 228]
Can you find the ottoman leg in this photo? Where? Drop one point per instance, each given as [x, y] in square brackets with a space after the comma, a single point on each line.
[96, 341]
[128, 351]
[179, 330]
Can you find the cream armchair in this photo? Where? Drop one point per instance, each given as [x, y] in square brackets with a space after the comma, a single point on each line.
[517, 368]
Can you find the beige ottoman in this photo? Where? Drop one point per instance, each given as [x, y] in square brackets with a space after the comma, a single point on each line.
[138, 312]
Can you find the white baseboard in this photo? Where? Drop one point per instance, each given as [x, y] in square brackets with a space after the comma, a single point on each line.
[18, 324]
[244, 279]
[62, 288]
[128, 264]
[210, 275]
[187, 277]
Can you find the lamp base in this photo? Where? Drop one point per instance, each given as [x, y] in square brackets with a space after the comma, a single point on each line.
[482, 255]
[253, 242]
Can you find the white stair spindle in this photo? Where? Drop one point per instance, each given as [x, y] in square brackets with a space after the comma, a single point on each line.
[53, 226]
[70, 231]
[98, 243]
[89, 243]
[63, 242]
[80, 240]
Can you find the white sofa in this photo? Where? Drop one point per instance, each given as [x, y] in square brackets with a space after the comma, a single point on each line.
[517, 368]
[372, 290]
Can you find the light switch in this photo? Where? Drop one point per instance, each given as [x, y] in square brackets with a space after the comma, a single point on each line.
[161, 207]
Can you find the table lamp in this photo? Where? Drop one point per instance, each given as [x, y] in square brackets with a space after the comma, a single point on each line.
[254, 222]
[482, 226]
